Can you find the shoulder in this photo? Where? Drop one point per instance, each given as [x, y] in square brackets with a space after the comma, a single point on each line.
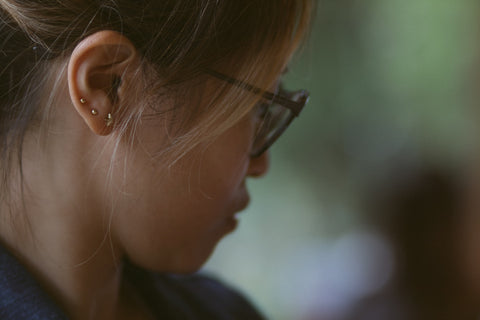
[21, 297]
[215, 296]
[194, 296]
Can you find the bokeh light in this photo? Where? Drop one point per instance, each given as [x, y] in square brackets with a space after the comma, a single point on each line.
[390, 84]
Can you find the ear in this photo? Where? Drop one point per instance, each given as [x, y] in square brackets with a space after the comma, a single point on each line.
[98, 65]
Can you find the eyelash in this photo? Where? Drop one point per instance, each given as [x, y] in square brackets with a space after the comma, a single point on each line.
[262, 110]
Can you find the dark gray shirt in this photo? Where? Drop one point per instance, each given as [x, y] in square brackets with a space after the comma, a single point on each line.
[168, 296]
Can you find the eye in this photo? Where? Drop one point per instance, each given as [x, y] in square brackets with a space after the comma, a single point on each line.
[262, 110]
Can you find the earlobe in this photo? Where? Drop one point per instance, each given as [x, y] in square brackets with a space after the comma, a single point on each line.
[99, 64]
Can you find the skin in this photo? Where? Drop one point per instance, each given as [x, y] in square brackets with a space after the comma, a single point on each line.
[79, 223]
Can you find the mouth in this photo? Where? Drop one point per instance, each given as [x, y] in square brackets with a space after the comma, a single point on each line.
[244, 203]
[232, 220]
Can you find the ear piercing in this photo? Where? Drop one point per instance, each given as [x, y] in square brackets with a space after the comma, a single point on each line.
[108, 120]
[93, 111]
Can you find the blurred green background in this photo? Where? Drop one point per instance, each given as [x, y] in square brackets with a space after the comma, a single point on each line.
[391, 82]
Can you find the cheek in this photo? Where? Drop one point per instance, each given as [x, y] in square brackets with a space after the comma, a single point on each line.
[223, 176]
[173, 235]
[172, 221]
[171, 218]
[225, 162]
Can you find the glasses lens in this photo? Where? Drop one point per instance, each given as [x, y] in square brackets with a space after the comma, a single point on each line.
[272, 120]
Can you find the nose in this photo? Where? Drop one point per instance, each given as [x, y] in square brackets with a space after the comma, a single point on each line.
[258, 166]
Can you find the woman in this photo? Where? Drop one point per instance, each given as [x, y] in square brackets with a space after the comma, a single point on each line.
[127, 131]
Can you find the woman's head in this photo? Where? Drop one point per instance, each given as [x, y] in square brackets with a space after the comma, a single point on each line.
[176, 41]
[180, 137]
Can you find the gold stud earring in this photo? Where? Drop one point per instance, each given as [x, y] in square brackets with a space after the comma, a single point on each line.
[94, 112]
[83, 101]
[108, 120]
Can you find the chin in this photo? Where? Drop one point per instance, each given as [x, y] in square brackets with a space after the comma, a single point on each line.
[185, 266]
[187, 269]
[185, 262]
[192, 262]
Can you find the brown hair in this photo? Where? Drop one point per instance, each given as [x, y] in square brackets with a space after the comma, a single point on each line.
[177, 39]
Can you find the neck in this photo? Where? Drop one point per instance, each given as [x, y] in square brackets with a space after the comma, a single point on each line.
[63, 239]
[86, 282]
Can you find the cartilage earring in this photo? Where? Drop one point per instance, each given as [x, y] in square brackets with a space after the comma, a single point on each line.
[94, 112]
[83, 101]
[108, 120]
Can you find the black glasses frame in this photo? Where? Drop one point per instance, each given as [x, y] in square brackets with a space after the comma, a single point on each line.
[273, 98]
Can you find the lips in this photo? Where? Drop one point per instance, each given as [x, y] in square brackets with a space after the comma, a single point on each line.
[232, 220]
[243, 202]
[232, 224]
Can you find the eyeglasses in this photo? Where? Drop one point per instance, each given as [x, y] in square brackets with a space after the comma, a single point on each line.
[273, 114]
